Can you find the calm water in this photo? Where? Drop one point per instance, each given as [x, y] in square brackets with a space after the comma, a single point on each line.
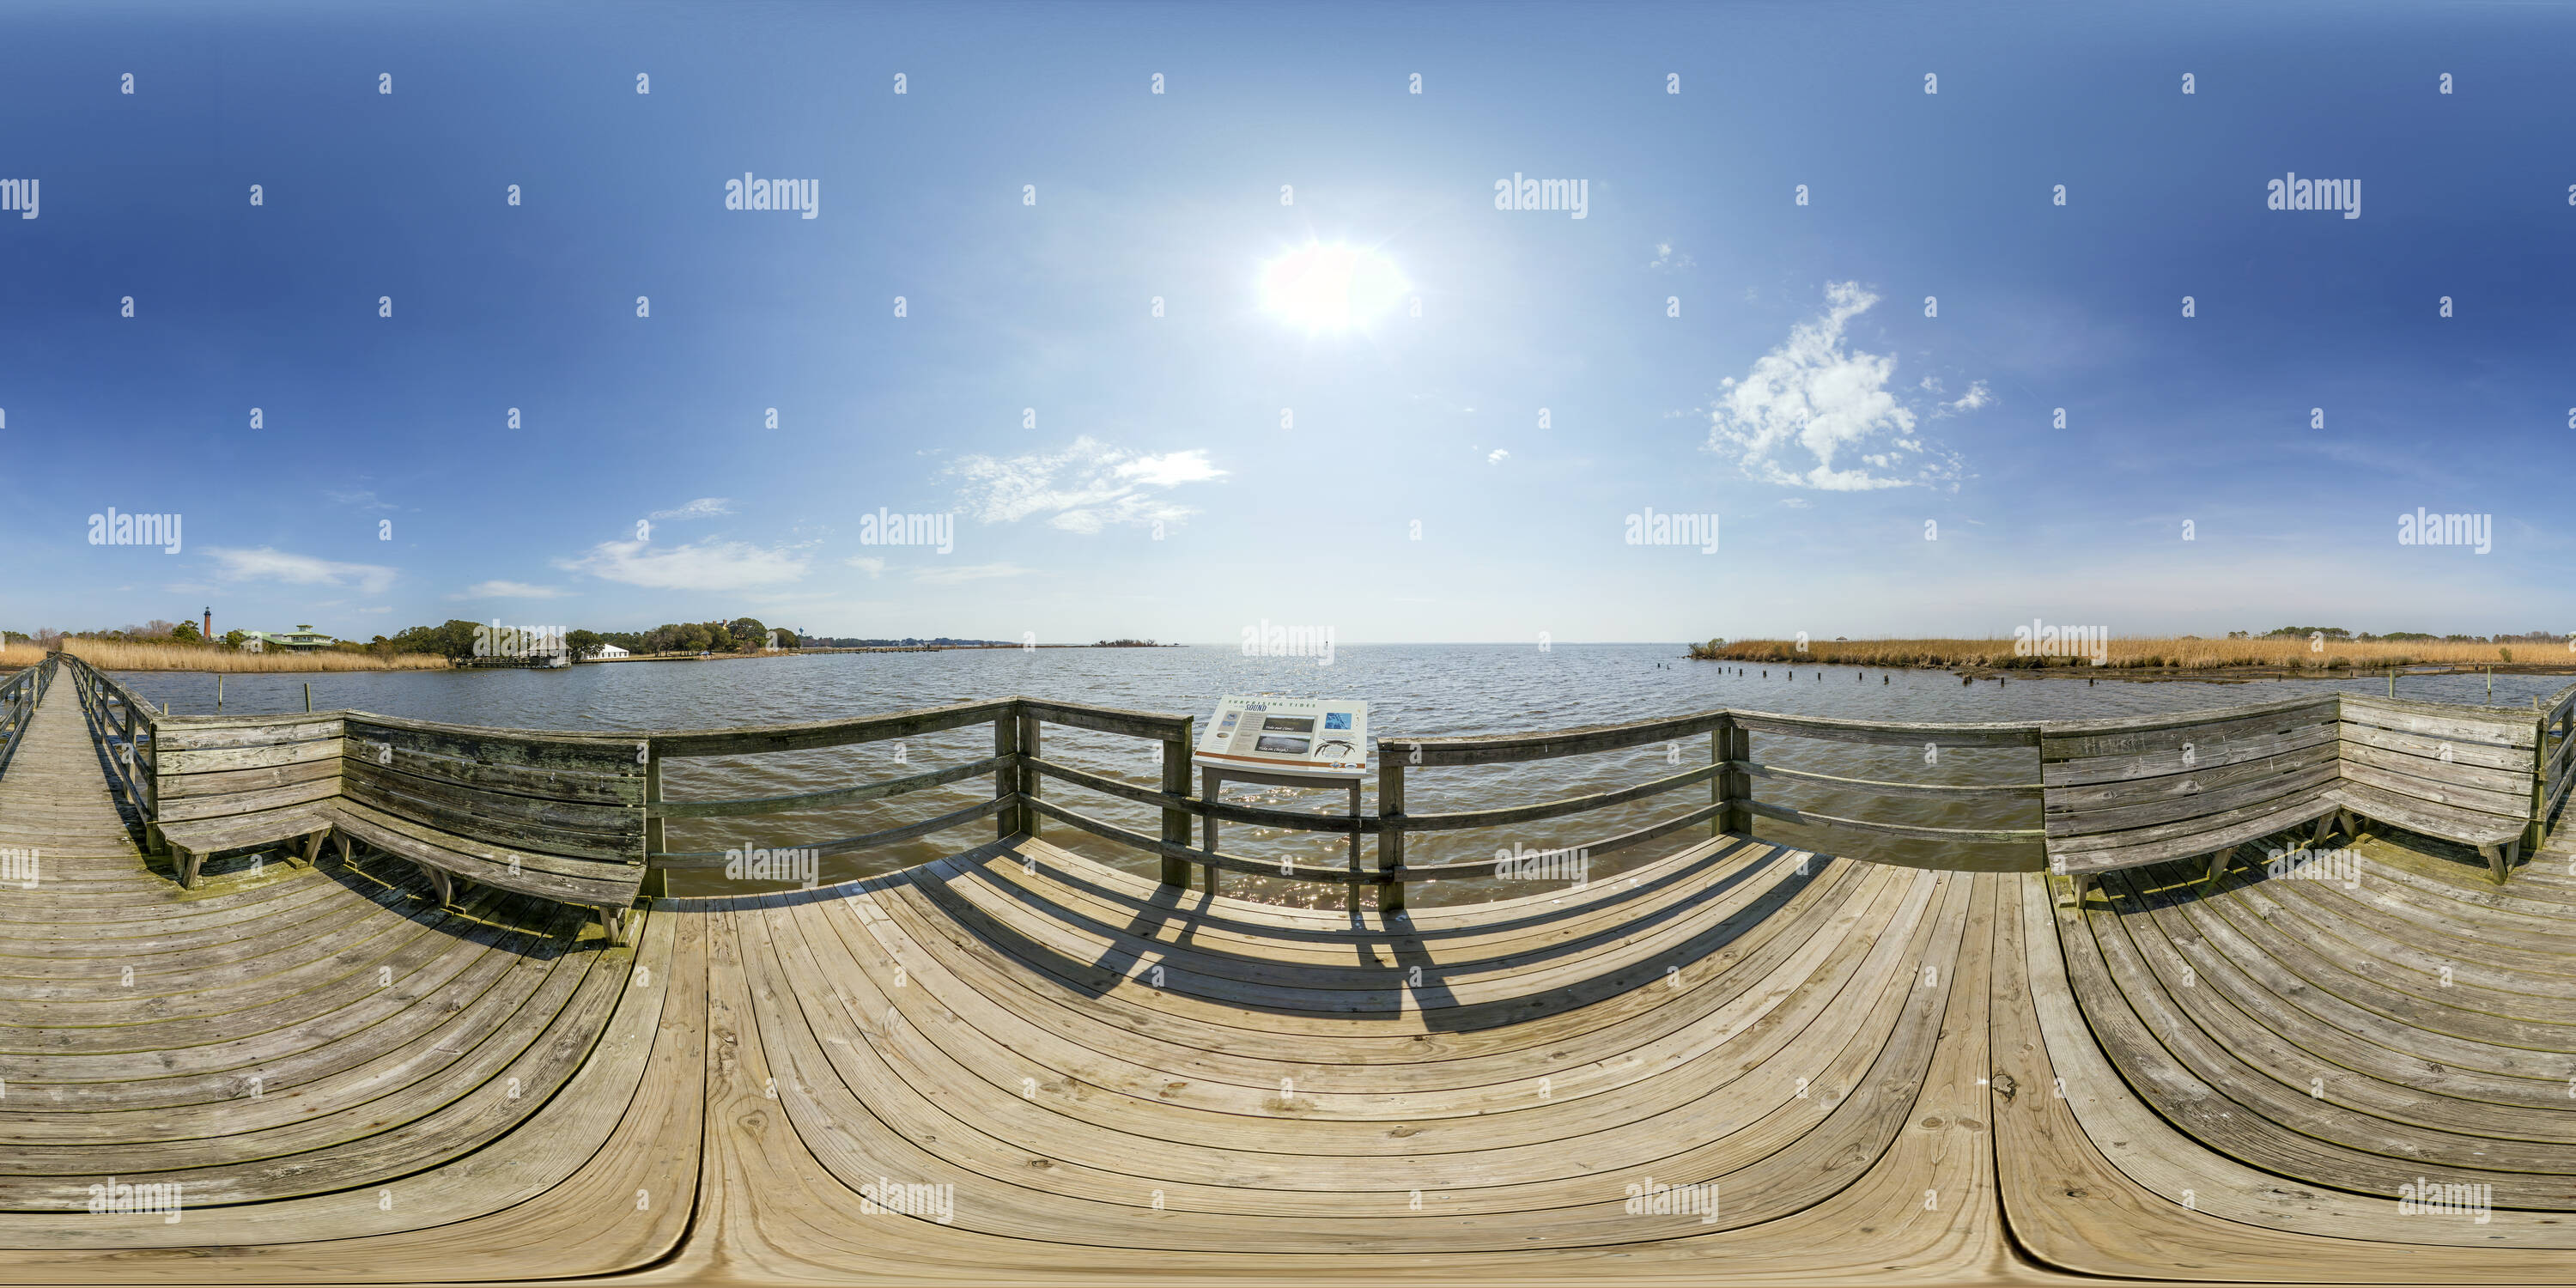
[1427, 689]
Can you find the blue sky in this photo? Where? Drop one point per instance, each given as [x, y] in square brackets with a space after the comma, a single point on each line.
[1801, 329]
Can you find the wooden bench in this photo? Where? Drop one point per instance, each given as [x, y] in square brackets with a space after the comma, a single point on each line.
[2127, 792]
[2465, 774]
[2130, 791]
[558, 816]
[223, 784]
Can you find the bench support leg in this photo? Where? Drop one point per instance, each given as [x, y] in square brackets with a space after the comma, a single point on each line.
[340, 840]
[189, 862]
[2077, 882]
[613, 922]
[440, 882]
[2324, 825]
[313, 846]
[2354, 825]
[2501, 858]
[2217, 867]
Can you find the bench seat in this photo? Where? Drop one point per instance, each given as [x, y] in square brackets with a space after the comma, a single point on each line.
[607, 886]
[195, 840]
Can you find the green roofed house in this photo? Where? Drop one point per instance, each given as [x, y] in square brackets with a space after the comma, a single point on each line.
[303, 639]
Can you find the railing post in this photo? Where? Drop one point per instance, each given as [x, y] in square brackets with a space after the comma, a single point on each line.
[1390, 833]
[1028, 772]
[657, 881]
[1735, 817]
[1176, 822]
[1006, 780]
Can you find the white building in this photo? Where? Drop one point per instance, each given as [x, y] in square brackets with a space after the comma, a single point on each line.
[611, 650]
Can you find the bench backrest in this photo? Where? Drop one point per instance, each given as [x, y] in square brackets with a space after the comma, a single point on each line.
[2466, 773]
[217, 767]
[557, 797]
[2142, 789]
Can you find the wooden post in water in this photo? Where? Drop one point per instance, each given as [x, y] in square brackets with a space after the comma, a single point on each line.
[219, 690]
[1028, 772]
[1006, 780]
[1176, 822]
[308, 695]
[1390, 836]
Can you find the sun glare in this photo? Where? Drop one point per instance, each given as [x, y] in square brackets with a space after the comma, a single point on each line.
[1330, 288]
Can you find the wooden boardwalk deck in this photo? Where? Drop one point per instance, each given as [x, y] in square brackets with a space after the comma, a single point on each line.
[1886, 1073]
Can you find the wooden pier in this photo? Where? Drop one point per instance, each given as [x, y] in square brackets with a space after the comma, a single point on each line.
[1733, 1061]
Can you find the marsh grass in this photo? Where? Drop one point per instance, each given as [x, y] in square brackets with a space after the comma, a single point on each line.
[2182, 654]
[118, 655]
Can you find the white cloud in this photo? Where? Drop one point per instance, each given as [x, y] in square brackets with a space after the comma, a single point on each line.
[705, 507]
[1666, 261]
[707, 565]
[1810, 396]
[1977, 396]
[507, 590]
[869, 564]
[1797, 502]
[1084, 488]
[951, 575]
[362, 500]
[265, 564]
[1497, 456]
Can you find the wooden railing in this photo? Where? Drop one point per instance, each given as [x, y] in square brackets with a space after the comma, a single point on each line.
[1019, 766]
[125, 725]
[1003, 764]
[2557, 760]
[18, 697]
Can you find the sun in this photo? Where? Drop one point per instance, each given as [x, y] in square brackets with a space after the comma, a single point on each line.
[1330, 287]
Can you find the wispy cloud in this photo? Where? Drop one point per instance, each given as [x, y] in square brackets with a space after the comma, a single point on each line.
[1666, 260]
[1810, 396]
[707, 565]
[705, 507]
[1084, 488]
[869, 564]
[265, 564]
[950, 575]
[508, 590]
[361, 500]
[1498, 456]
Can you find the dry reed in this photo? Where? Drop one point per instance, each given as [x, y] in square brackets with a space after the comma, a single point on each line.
[14, 655]
[120, 655]
[2183, 654]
